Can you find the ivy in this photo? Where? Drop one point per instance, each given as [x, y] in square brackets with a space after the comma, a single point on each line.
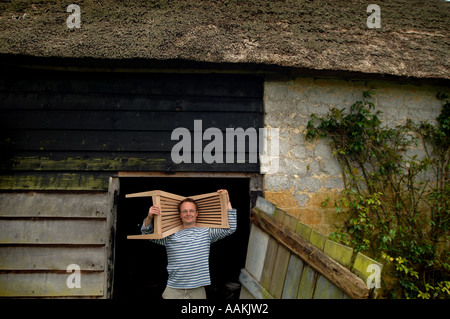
[397, 205]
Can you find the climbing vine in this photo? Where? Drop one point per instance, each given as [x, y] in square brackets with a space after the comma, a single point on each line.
[396, 195]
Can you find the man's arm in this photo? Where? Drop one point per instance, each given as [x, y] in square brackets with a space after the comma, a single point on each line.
[154, 210]
[219, 233]
[148, 227]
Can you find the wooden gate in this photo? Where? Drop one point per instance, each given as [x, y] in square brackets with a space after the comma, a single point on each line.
[287, 259]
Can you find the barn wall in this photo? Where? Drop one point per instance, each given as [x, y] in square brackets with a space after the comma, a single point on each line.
[43, 233]
[73, 130]
[308, 175]
[66, 135]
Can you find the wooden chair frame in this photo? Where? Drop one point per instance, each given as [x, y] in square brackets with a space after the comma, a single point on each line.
[212, 212]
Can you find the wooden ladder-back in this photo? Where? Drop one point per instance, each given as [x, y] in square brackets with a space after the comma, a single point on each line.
[212, 212]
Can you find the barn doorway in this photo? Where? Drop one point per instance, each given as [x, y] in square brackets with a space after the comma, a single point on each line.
[140, 266]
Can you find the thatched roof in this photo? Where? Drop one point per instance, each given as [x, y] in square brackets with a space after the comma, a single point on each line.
[413, 41]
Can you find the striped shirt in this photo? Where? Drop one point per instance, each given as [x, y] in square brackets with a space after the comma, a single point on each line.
[188, 253]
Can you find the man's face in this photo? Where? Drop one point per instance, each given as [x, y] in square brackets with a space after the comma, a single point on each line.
[188, 213]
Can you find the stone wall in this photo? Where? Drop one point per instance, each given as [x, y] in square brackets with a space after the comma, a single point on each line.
[308, 177]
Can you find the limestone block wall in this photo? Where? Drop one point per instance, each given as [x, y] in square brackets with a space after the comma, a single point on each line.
[308, 178]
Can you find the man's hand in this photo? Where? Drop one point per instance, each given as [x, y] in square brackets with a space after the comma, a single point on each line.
[154, 210]
[228, 197]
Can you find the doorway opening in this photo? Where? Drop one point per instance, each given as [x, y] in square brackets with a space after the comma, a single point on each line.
[140, 265]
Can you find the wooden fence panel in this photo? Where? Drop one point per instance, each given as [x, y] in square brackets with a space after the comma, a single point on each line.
[299, 262]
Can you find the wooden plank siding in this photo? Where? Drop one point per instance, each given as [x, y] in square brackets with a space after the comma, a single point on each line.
[72, 130]
[41, 234]
[50, 284]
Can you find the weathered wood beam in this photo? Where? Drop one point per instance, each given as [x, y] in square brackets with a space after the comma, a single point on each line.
[83, 181]
[343, 278]
[253, 286]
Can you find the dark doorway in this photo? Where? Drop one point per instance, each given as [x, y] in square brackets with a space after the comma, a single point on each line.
[140, 266]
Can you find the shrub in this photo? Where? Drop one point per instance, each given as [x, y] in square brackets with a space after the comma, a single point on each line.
[396, 200]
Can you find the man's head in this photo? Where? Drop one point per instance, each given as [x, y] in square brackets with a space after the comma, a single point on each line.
[188, 212]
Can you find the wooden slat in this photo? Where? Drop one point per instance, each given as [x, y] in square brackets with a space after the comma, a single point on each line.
[326, 290]
[169, 201]
[22, 100]
[123, 120]
[53, 231]
[145, 236]
[87, 140]
[211, 217]
[256, 251]
[141, 194]
[209, 221]
[292, 281]
[269, 263]
[216, 214]
[211, 205]
[208, 207]
[51, 257]
[205, 197]
[143, 84]
[157, 223]
[169, 196]
[307, 283]
[171, 204]
[35, 204]
[208, 201]
[48, 284]
[280, 270]
[55, 181]
[168, 225]
[91, 161]
[224, 204]
[343, 278]
[170, 213]
[209, 210]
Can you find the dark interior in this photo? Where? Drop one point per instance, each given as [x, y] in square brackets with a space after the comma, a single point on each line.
[140, 266]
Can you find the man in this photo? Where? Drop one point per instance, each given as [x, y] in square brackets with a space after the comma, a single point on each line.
[188, 250]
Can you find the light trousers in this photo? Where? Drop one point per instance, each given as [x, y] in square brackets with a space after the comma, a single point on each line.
[195, 293]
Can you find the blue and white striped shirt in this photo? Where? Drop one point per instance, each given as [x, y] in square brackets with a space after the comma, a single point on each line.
[188, 253]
